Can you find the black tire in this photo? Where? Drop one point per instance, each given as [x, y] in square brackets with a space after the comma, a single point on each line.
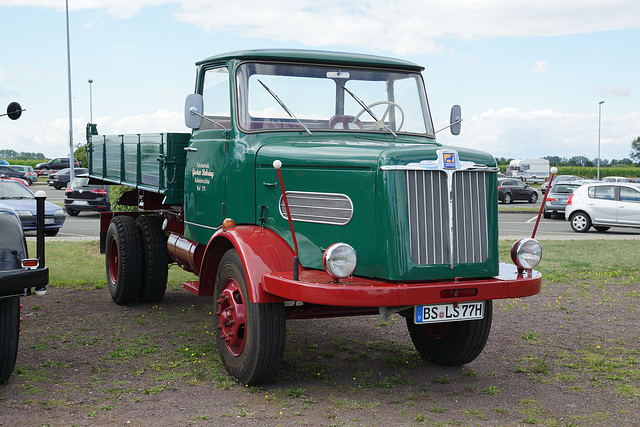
[600, 228]
[123, 259]
[580, 222]
[533, 198]
[71, 212]
[9, 335]
[57, 187]
[51, 232]
[546, 214]
[250, 337]
[451, 343]
[507, 198]
[155, 263]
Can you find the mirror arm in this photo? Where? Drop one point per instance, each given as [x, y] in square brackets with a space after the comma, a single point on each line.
[194, 111]
[448, 126]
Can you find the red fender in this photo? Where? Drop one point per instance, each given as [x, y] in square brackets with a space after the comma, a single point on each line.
[261, 251]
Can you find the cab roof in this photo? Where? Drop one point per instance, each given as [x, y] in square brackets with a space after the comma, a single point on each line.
[314, 56]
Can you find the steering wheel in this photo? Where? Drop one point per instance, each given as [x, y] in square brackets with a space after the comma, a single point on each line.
[380, 124]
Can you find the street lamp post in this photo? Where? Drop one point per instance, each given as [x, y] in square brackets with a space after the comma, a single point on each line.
[90, 101]
[599, 127]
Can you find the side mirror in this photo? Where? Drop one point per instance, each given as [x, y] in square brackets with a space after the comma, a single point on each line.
[14, 111]
[455, 120]
[193, 110]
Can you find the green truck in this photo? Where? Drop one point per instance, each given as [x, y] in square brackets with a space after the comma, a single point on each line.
[311, 185]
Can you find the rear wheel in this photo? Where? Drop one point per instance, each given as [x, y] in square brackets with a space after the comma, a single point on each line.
[123, 259]
[250, 337]
[51, 232]
[72, 212]
[580, 222]
[507, 198]
[155, 262]
[451, 343]
[546, 214]
[9, 335]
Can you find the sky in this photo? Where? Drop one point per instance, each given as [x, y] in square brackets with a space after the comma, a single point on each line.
[528, 75]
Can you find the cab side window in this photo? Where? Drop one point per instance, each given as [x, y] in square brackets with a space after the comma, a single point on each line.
[217, 102]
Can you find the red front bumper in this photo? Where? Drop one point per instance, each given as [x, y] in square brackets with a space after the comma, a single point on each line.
[317, 287]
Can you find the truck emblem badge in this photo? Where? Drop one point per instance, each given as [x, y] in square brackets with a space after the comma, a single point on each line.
[449, 160]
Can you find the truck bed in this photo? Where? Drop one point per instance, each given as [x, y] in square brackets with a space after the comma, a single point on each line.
[151, 161]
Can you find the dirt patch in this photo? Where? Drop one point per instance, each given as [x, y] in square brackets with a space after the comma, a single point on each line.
[569, 356]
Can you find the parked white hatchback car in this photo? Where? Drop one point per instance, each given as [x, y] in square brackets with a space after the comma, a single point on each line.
[604, 205]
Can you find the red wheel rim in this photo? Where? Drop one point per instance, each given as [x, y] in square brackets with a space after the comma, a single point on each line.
[436, 331]
[231, 317]
[113, 261]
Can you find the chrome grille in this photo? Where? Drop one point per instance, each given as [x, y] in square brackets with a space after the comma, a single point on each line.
[323, 208]
[434, 238]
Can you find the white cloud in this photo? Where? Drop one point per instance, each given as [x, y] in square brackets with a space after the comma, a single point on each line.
[510, 132]
[540, 67]
[400, 26]
[616, 91]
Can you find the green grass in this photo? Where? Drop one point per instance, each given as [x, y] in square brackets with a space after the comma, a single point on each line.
[79, 265]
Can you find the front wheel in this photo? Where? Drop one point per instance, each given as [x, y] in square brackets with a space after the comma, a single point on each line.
[123, 259]
[451, 343]
[9, 335]
[533, 198]
[580, 222]
[250, 337]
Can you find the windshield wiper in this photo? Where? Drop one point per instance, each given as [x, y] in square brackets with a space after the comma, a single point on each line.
[284, 107]
[368, 110]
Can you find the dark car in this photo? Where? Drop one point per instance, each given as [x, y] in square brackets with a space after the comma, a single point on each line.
[513, 189]
[558, 197]
[81, 196]
[13, 173]
[55, 164]
[16, 196]
[18, 274]
[31, 176]
[60, 179]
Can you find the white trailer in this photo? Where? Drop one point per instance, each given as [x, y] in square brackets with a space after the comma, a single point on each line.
[532, 170]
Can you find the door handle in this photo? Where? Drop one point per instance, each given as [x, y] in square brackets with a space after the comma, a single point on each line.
[192, 149]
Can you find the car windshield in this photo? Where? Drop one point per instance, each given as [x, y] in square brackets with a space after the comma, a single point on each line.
[314, 98]
[14, 190]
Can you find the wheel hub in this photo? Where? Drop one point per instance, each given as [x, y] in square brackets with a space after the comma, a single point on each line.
[231, 317]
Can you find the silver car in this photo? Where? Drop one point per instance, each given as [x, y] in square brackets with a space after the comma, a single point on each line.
[604, 205]
[558, 197]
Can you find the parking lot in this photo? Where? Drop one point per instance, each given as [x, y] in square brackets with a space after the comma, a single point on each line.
[513, 224]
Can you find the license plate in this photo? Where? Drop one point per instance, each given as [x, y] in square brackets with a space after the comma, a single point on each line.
[561, 200]
[449, 312]
[48, 221]
[81, 202]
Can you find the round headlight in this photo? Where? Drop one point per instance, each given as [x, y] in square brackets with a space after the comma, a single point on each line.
[526, 253]
[339, 260]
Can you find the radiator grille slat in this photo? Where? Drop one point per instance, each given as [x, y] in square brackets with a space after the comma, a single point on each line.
[429, 227]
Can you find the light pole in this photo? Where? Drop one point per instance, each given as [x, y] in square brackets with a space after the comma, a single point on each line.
[599, 127]
[71, 159]
[90, 101]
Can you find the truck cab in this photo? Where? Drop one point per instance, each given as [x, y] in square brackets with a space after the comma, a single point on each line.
[311, 184]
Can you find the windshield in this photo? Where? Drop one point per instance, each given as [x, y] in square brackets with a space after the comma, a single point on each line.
[14, 190]
[325, 98]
